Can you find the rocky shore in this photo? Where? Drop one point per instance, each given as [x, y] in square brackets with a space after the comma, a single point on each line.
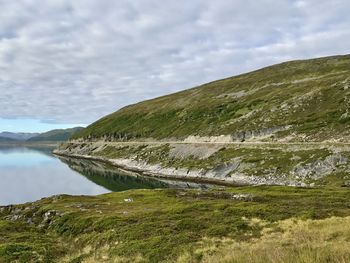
[230, 164]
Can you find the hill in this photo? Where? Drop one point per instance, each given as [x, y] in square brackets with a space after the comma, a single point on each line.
[55, 135]
[288, 124]
[4, 139]
[306, 100]
[18, 136]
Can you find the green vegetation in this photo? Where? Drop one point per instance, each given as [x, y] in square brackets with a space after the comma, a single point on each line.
[56, 135]
[311, 96]
[165, 225]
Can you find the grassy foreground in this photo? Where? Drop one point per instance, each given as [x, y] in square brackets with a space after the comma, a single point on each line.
[243, 224]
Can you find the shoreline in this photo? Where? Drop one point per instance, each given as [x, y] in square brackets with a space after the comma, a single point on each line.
[231, 164]
[135, 171]
[31, 144]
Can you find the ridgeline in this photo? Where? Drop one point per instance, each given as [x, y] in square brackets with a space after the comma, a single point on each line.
[305, 100]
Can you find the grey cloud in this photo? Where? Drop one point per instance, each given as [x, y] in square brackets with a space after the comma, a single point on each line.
[75, 61]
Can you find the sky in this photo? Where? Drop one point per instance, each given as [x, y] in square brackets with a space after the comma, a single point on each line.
[65, 63]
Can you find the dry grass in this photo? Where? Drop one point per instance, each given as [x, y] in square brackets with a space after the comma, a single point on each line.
[289, 241]
[88, 255]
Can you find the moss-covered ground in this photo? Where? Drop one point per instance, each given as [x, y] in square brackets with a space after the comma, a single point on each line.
[156, 225]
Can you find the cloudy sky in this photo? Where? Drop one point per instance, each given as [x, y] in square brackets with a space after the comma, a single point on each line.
[65, 62]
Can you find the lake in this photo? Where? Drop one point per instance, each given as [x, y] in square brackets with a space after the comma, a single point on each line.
[28, 174]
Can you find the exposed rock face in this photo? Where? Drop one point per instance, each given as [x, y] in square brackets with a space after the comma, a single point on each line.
[257, 134]
[31, 214]
[238, 137]
[243, 163]
[223, 171]
[209, 139]
[201, 151]
[319, 168]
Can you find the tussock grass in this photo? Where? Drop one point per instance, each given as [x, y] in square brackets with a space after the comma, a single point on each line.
[164, 225]
[289, 241]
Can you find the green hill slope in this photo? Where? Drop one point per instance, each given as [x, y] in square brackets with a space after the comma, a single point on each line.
[304, 100]
[56, 135]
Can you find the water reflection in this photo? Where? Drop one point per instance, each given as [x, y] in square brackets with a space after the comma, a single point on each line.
[116, 180]
[30, 173]
[23, 156]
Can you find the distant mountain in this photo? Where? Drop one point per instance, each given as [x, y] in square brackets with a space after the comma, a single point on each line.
[4, 139]
[55, 135]
[18, 136]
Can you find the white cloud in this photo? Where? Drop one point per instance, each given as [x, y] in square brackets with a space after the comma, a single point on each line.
[75, 61]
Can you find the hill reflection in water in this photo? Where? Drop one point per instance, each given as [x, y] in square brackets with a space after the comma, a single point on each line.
[116, 180]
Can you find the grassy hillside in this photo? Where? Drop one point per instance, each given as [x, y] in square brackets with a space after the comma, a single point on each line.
[310, 97]
[56, 135]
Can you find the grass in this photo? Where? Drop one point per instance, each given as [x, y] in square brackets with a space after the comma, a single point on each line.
[159, 225]
[20, 242]
[323, 241]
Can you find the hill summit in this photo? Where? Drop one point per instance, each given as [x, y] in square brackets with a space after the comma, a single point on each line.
[55, 135]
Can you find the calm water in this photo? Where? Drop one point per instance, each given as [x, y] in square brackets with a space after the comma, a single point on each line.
[28, 174]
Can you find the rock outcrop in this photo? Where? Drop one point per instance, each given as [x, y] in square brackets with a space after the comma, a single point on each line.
[236, 164]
